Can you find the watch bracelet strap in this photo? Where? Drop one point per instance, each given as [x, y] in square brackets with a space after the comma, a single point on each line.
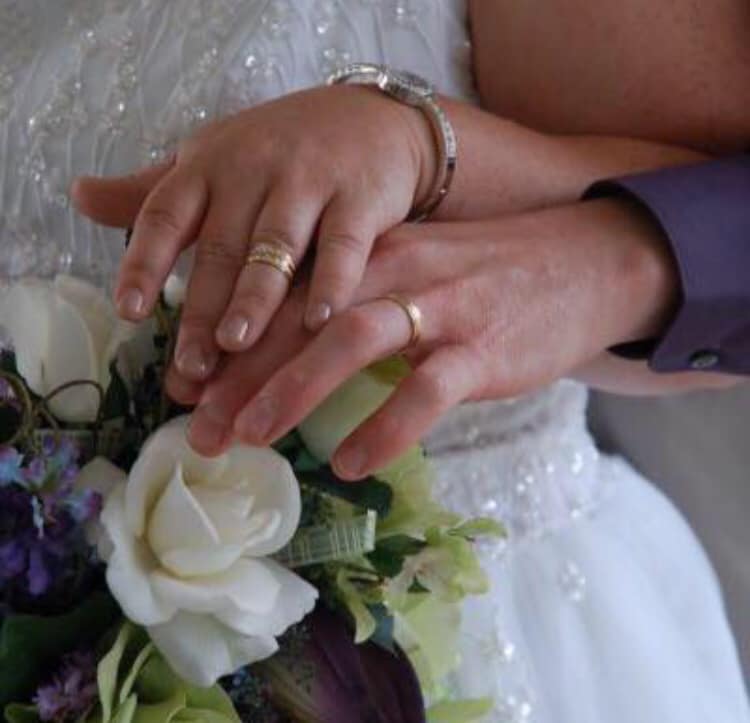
[442, 131]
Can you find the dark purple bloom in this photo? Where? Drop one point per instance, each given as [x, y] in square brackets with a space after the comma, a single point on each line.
[333, 680]
[43, 550]
[71, 693]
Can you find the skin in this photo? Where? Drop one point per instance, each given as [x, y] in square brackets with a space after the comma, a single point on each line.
[575, 272]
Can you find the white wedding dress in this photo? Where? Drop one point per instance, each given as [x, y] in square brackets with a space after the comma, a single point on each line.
[604, 608]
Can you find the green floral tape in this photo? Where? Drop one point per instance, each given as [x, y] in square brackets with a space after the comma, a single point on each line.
[340, 540]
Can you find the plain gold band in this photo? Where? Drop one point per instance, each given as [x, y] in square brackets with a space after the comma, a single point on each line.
[413, 312]
[273, 255]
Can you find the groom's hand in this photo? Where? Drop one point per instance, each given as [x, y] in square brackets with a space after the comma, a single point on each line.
[507, 306]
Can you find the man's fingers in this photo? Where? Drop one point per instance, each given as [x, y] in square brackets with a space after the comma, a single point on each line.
[446, 378]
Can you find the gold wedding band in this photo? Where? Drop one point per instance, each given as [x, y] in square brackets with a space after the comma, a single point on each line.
[413, 312]
[275, 256]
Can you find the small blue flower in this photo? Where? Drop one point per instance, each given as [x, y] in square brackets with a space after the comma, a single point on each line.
[11, 461]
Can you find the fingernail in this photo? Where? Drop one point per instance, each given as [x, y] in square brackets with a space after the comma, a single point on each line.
[234, 330]
[208, 427]
[131, 303]
[351, 461]
[194, 363]
[256, 422]
[317, 316]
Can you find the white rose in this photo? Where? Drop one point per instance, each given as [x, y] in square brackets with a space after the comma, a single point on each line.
[62, 331]
[186, 542]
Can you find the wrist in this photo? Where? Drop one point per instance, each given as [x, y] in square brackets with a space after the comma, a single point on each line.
[643, 276]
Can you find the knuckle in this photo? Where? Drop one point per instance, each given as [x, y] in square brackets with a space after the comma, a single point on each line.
[256, 297]
[346, 242]
[220, 248]
[161, 220]
[277, 237]
[432, 388]
[357, 324]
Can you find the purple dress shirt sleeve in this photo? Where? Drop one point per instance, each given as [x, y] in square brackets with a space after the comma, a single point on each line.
[704, 211]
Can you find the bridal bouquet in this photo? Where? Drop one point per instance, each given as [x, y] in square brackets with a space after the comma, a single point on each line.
[143, 583]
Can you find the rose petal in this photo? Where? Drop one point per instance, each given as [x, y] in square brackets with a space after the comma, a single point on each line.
[201, 650]
[103, 477]
[129, 567]
[73, 357]
[194, 562]
[178, 521]
[154, 467]
[295, 600]
[228, 509]
[249, 585]
[25, 315]
[274, 487]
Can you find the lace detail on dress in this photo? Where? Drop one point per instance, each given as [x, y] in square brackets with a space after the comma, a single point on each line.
[104, 86]
[531, 463]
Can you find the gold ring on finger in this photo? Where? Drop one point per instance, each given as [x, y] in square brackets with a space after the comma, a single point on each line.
[414, 314]
[273, 255]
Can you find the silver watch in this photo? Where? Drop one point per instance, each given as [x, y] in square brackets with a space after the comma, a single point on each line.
[416, 92]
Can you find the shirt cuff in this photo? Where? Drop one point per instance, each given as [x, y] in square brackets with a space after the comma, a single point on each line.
[704, 212]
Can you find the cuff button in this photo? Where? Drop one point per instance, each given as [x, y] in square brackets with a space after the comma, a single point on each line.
[704, 359]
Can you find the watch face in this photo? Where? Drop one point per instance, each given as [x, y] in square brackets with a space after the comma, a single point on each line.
[405, 83]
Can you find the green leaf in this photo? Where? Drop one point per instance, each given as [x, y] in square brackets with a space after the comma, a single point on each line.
[29, 644]
[117, 398]
[384, 627]
[119, 662]
[479, 527]
[126, 712]
[390, 553]
[16, 713]
[369, 494]
[391, 371]
[305, 462]
[8, 362]
[460, 711]
[213, 699]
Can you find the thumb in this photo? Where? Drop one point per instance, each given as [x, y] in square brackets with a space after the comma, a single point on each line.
[116, 201]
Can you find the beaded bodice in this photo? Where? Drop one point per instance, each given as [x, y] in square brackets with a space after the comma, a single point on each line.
[105, 86]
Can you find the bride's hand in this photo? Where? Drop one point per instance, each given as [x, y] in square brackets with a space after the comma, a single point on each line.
[507, 307]
[344, 164]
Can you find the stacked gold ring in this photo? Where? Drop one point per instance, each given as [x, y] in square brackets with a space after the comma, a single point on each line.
[414, 315]
[275, 256]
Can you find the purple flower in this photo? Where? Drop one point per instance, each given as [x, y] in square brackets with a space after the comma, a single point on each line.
[71, 693]
[333, 679]
[11, 461]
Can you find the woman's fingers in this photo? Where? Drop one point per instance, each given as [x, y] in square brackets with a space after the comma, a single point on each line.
[350, 342]
[166, 224]
[345, 239]
[116, 201]
[284, 227]
[448, 377]
[220, 253]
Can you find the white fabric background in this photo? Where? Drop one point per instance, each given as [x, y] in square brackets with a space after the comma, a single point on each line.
[697, 449]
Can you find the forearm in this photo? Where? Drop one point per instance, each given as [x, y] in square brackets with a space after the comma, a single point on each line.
[506, 168]
[614, 374]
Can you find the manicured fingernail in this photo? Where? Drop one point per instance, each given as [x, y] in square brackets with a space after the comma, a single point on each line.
[317, 316]
[131, 303]
[351, 461]
[234, 330]
[256, 422]
[208, 428]
[195, 363]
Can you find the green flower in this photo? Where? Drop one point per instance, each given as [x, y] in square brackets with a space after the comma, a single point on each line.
[137, 686]
[410, 476]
